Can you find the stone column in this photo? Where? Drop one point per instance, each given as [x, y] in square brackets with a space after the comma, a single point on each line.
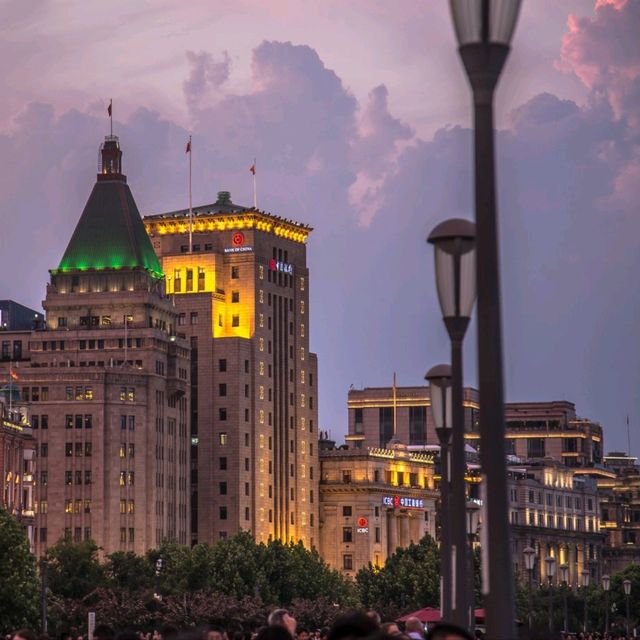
[405, 535]
[392, 532]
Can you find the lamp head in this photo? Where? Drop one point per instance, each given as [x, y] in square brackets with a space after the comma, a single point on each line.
[439, 379]
[606, 582]
[484, 21]
[529, 558]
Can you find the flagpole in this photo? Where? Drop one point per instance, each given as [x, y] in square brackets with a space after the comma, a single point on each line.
[395, 405]
[190, 207]
[10, 387]
[255, 196]
[111, 115]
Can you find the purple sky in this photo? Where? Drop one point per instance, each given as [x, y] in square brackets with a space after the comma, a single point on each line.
[359, 116]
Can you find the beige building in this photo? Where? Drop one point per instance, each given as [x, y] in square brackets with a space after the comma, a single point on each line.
[240, 283]
[17, 450]
[556, 512]
[107, 381]
[373, 501]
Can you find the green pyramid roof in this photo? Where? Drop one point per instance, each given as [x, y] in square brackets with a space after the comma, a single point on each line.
[110, 233]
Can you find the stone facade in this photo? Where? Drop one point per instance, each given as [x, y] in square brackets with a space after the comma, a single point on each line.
[242, 293]
[372, 502]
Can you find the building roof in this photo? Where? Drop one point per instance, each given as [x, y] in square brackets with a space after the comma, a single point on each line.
[110, 233]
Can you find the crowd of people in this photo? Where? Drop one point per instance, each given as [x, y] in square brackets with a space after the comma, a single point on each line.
[281, 625]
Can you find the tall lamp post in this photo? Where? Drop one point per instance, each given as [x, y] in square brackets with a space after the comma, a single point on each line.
[484, 29]
[473, 520]
[550, 561]
[529, 560]
[564, 578]
[439, 379]
[586, 576]
[454, 243]
[606, 585]
[626, 585]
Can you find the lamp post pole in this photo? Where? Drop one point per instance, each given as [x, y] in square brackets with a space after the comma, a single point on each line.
[626, 584]
[606, 585]
[439, 378]
[454, 242]
[44, 577]
[529, 560]
[564, 577]
[473, 518]
[585, 585]
[484, 47]
[550, 561]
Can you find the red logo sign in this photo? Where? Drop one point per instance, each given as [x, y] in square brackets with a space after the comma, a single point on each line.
[396, 501]
[272, 265]
[237, 239]
[363, 522]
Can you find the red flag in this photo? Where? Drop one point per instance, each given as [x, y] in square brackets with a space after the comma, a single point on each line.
[109, 108]
[14, 375]
[188, 149]
[253, 168]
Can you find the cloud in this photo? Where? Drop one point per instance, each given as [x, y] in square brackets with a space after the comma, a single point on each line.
[205, 76]
[604, 52]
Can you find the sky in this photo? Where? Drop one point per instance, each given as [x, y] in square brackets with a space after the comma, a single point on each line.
[359, 116]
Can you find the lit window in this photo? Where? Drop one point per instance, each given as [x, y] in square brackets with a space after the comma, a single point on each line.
[68, 506]
[223, 438]
[235, 296]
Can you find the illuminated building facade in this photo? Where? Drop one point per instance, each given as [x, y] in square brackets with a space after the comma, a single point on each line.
[620, 511]
[108, 385]
[556, 512]
[241, 289]
[17, 449]
[373, 501]
[379, 414]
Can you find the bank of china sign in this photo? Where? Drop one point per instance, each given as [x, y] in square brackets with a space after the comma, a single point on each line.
[402, 503]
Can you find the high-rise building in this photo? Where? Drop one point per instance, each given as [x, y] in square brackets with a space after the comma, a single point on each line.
[240, 284]
[107, 381]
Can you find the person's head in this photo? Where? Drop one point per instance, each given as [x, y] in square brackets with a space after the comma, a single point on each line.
[303, 634]
[103, 632]
[282, 618]
[375, 616]
[413, 625]
[215, 633]
[352, 625]
[391, 628]
[25, 634]
[274, 632]
[446, 631]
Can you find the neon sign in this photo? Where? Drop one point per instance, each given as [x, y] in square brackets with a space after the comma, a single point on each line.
[278, 265]
[403, 503]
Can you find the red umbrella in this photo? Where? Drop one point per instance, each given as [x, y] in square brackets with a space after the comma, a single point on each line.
[428, 614]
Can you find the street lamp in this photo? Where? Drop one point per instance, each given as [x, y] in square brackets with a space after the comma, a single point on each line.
[484, 29]
[439, 379]
[606, 585]
[473, 521]
[586, 575]
[454, 243]
[529, 560]
[564, 578]
[550, 561]
[626, 584]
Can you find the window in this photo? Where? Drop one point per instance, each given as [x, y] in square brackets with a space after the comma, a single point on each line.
[223, 438]
[347, 534]
[223, 513]
[235, 321]
[222, 463]
[385, 417]
[194, 317]
[88, 421]
[535, 448]
[418, 425]
[68, 477]
[347, 562]
[346, 511]
[223, 488]
[235, 273]
[222, 413]
[235, 296]
[222, 389]
[222, 365]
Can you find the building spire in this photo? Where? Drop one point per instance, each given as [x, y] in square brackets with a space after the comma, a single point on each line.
[110, 166]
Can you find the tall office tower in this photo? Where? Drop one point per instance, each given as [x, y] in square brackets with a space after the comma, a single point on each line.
[240, 282]
[108, 383]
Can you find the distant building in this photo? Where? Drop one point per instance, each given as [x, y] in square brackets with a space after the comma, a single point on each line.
[15, 316]
[373, 501]
[107, 381]
[17, 449]
[556, 513]
[620, 511]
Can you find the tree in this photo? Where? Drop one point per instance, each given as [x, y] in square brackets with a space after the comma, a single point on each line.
[74, 569]
[409, 580]
[19, 585]
[125, 570]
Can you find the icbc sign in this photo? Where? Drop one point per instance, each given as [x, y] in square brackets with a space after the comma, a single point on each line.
[277, 265]
[363, 525]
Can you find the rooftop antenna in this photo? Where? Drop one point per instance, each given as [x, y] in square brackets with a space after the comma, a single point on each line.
[110, 112]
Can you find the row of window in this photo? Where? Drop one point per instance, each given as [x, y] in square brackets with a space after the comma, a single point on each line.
[9, 353]
[77, 506]
[78, 475]
[535, 497]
